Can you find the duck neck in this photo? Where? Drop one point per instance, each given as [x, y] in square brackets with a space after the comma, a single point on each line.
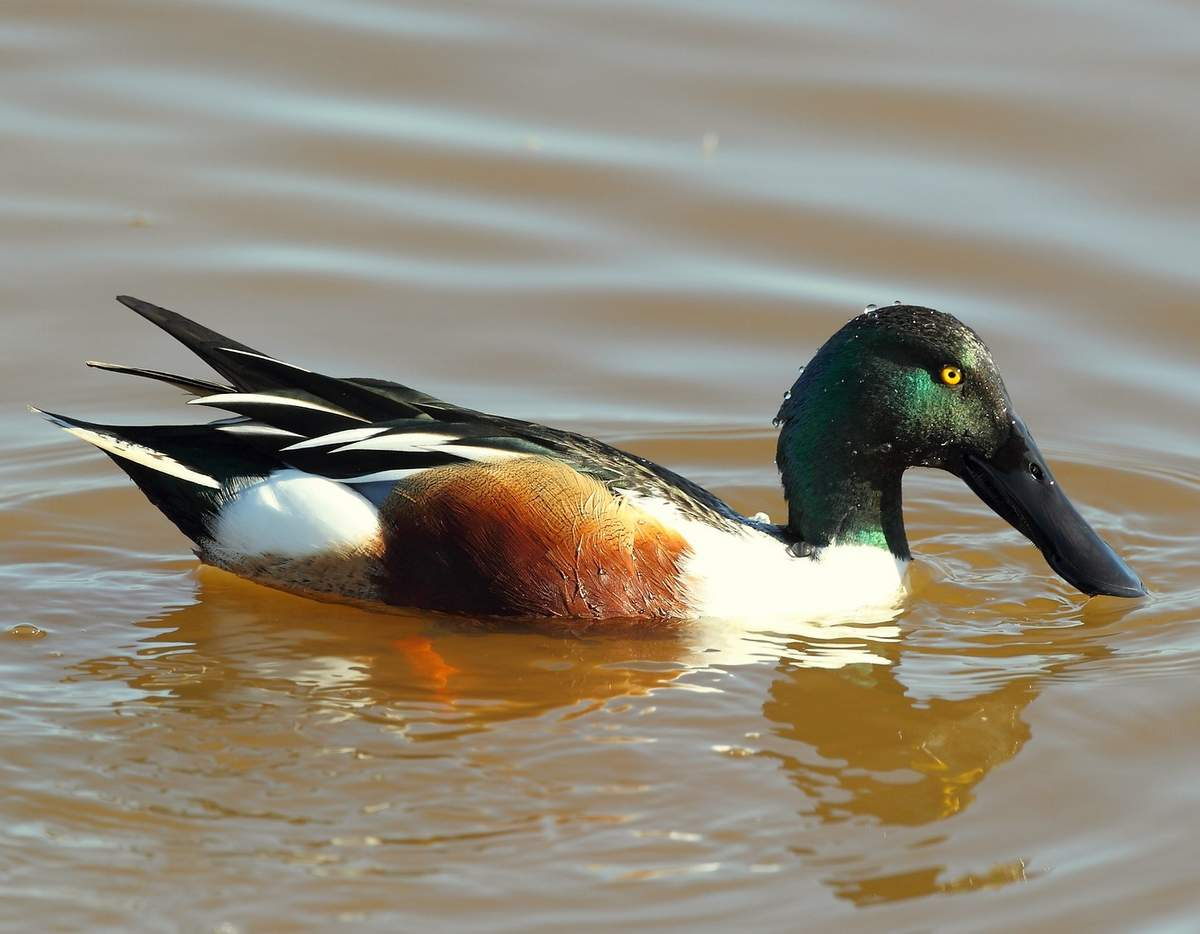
[837, 494]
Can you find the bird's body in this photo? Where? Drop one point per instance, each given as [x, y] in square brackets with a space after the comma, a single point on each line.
[531, 538]
[369, 491]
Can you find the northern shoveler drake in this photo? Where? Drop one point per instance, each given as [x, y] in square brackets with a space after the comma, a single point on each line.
[369, 491]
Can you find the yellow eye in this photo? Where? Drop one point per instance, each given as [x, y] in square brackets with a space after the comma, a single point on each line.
[951, 375]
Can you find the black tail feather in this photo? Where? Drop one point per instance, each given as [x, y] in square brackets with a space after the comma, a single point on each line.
[250, 370]
[191, 509]
[187, 471]
[197, 387]
[429, 406]
[271, 374]
[196, 337]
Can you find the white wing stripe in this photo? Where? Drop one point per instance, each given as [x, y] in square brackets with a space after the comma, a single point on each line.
[337, 437]
[147, 457]
[417, 442]
[263, 356]
[413, 441]
[235, 398]
[483, 455]
[259, 430]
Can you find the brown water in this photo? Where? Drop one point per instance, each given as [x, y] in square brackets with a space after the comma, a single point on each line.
[635, 220]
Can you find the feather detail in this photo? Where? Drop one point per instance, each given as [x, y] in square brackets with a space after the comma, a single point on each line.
[108, 441]
[232, 401]
[335, 438]
[253, 429]
[190, 384]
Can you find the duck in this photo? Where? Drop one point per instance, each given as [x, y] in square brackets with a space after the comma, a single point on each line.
[371, 492]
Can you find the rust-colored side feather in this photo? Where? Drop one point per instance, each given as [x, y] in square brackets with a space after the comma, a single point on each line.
[527, 537]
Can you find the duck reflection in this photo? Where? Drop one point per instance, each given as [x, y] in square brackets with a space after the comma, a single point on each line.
[853, 695]
[239, 640]
[906, 745]
[872, 749]
[866, 726]
[240, 645]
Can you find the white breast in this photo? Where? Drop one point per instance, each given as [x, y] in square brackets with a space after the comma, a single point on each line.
[748, 575]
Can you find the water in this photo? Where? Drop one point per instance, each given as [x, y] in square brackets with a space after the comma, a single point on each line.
[635, 220]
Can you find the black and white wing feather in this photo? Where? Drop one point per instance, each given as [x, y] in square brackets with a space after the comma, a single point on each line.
[366, 433]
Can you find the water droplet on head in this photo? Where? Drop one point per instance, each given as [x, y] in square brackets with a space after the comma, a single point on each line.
[787, 395]
[897, 302]
[870, 309]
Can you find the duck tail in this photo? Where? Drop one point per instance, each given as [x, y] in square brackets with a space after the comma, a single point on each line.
[251, 371]
[189, 384]
[211, 347]
[187, 471]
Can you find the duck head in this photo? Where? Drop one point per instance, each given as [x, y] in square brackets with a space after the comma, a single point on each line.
[905, 386]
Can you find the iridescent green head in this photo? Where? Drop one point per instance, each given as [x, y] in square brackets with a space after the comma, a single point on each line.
[905, 386]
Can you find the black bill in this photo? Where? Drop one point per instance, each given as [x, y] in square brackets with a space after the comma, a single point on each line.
[1017, 483]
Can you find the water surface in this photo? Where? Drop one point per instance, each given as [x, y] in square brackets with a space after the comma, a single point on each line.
[637, 221]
